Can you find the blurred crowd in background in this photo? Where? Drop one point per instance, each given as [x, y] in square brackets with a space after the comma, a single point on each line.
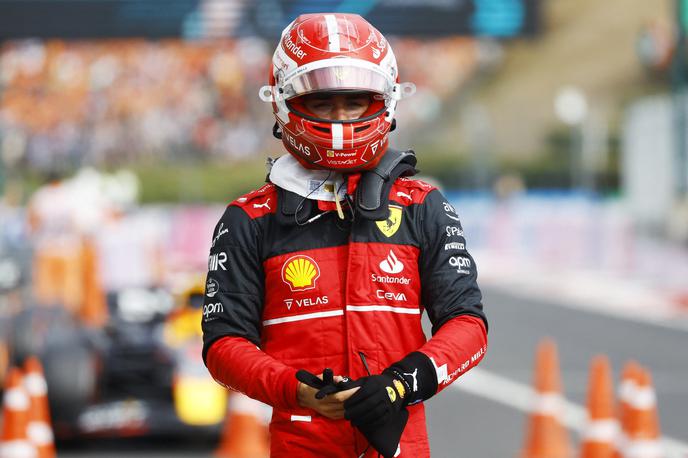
[64, 104]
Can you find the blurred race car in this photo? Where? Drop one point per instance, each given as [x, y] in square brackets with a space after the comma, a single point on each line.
[141, 374]
[15, 255]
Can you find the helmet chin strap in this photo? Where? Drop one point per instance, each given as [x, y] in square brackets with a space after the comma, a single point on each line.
[277, 133]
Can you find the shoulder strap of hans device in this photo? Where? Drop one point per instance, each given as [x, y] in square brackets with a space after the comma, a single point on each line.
[372, 195]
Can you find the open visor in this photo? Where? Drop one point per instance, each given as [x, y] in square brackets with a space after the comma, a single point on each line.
[345, 76]
[337, 78]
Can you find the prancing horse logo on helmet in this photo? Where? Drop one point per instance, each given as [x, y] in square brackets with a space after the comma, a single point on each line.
[390, 226]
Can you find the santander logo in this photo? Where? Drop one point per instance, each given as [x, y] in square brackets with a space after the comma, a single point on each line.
[391, 264]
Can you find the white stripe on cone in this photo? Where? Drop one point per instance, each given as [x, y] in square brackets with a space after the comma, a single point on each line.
[627, 390]
[17, 449]
[621, 442]
[16, 399]
[601, 431]
[643, 398]
[35, 384]
[644, 449]
[548, 404]
[39, 433]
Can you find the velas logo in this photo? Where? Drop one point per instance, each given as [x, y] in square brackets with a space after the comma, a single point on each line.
[300, 273]
[297, 145]
[307, 302]
[391, 264]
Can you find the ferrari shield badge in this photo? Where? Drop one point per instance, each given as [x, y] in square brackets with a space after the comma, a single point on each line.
[390, 226]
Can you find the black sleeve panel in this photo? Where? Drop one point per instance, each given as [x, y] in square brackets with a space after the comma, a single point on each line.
[234, 293]
[448, 272]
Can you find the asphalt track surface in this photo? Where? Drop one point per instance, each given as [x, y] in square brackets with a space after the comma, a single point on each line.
[463, 424]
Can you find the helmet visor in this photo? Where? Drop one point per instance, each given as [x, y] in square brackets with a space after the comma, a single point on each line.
[337, 78]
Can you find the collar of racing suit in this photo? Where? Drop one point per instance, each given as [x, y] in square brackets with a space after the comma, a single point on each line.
[288, 174]
[304, 191]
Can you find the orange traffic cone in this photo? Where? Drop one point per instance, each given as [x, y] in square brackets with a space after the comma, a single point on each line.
[601, 429]
[14, 443]
[4, 361]
[643, 422]
[39, 430]
[245, 434]
[627, 390]
[546, 436]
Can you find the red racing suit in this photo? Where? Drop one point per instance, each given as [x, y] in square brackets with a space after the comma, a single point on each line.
[283, 296]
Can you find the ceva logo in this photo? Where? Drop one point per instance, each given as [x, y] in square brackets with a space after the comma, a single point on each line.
[300, 273]
[391, 264]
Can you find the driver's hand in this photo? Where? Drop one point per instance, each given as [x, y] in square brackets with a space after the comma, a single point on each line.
[331, 406]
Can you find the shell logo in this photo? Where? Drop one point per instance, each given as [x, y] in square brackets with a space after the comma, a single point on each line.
[300, 273]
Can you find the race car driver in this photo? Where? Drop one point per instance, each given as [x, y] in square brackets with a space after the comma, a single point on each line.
[328, 267]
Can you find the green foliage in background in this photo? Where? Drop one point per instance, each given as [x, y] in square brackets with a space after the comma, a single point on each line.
[550, 169]
[208, 182]
[199, 182]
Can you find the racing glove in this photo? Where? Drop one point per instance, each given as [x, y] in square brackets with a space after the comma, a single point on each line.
[408, 381]
[384, 437]
[378, 401]
[378, 408]
[326, 385]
